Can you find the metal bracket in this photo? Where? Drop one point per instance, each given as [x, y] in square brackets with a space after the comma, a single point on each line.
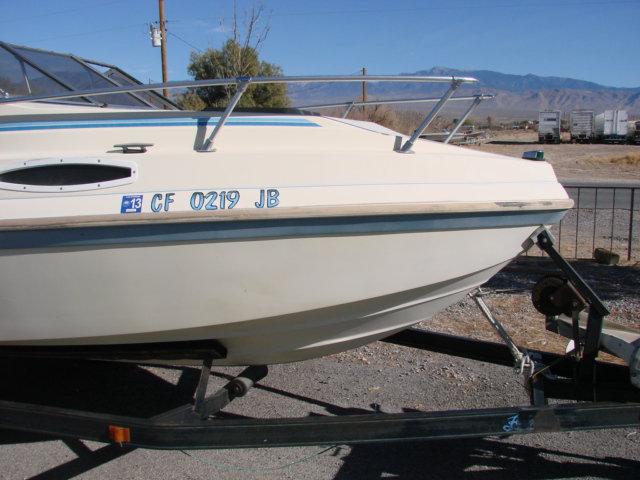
[397, 143]
[201, 389]
[205, 406]
[535, 380]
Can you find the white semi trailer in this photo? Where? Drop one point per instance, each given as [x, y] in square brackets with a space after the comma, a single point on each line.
[611, 126]
[549, 126]
[582, 126]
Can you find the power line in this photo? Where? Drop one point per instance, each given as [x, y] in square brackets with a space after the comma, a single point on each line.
[61, 12]
[184, 41]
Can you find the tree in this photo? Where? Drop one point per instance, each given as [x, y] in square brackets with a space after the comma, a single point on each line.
[190, 101]
[238, 57]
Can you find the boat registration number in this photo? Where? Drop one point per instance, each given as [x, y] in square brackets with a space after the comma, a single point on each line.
[200, 200]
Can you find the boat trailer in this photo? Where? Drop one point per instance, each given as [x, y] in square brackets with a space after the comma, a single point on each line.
[608, 394]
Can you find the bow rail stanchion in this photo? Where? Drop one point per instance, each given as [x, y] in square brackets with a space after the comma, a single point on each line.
[348, 110]
[242, 87]
[406, 148]
[463, 119]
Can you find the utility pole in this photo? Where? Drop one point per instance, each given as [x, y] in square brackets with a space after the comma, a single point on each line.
[163, 46]
[364, 88]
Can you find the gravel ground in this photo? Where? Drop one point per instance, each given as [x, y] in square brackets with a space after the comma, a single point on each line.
[375, 377]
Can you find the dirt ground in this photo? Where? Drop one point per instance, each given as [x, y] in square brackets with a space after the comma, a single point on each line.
[570, 161]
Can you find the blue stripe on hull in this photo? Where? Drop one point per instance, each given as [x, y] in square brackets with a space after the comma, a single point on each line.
[161, 232]
[169, 122]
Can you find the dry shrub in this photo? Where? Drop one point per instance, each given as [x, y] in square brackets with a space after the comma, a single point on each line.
[377, 114]
[403, 121]
[629, 159]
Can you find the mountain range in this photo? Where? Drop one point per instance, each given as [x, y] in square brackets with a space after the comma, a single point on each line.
[516, 96]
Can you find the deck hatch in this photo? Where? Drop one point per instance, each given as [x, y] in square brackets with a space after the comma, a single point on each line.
[63, 175]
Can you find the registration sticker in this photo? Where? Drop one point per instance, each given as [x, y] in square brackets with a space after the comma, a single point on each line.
[131, 204]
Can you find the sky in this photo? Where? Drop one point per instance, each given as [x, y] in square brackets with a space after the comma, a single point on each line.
[593, 40]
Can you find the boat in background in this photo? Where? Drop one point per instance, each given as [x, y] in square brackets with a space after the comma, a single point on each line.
[281, 236]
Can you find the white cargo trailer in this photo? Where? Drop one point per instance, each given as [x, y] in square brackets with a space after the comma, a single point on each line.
[549, 126]
[611, 126]
[582, 126]
[633, 134]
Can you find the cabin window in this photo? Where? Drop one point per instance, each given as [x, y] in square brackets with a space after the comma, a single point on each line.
[63, 175]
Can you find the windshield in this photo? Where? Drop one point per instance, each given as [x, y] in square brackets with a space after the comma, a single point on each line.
[29, 71]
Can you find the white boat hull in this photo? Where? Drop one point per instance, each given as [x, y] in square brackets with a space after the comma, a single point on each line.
[299, 236]
[266, 300]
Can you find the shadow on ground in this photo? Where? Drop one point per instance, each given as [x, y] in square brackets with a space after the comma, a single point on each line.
[98, 386]
[477, 459]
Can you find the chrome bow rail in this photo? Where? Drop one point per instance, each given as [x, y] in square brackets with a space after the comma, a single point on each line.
[244, 82]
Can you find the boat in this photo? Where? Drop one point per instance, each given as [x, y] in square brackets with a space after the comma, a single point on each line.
[283, 237]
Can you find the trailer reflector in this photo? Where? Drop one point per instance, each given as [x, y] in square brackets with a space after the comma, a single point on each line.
[119, 434]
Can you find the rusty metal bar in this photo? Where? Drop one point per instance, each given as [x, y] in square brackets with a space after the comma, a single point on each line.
[630, 241]
[595, 210]
[560, 235]
[613, 216]
[575, 247]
